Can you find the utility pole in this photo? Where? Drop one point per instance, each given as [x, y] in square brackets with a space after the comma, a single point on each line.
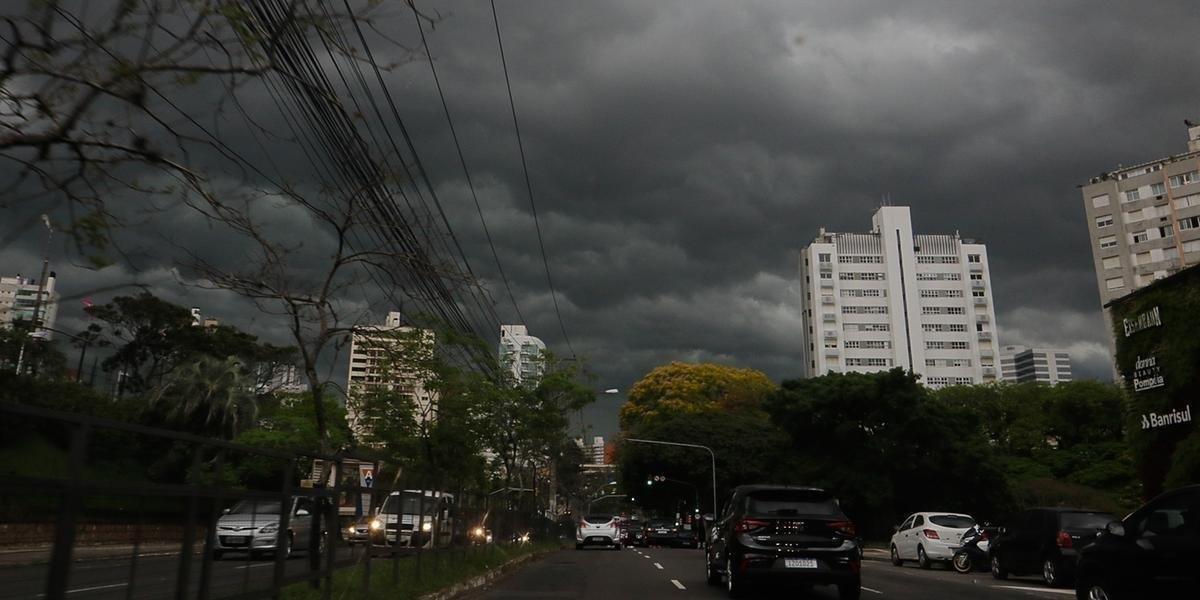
[37, 302]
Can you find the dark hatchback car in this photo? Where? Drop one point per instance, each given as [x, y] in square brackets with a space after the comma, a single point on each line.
[794, 536]
[1153, 553]
[1045, 541]
[661, 533]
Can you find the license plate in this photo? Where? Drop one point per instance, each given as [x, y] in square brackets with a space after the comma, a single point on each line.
[237, 539]
[800, 563]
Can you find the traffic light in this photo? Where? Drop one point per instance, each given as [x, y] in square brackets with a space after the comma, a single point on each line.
[649, 482]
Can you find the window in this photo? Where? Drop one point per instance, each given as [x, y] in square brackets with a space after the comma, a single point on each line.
[1166, 231]
[1192, 246]
[1133, 216]
[1157, 189]
[937, 260]
[978, 294]
[861, 259]
[1138, 237]
[864, 310]
[823, 257]
[942, 310]
[1115, 283]
[868, 362]
[1112, 262]
[1184, 178]
[974, 258]
[1170, 253]
[856, 276]
[1187, 201]
[857, 293]
[1100, 201]
[1104, 221]
[1131, 195]
[873, 327]
[1141, 258]
[976, 276]
[939, 276]
[937, 345]
[868, 344]
[826, 275]
[941, 294]
[1172, 518]
[1189, 223]
[943, 327]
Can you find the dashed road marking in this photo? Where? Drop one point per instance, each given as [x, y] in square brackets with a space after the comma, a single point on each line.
[96, 587]
[677, 584]
[867, 589]
[658, 566]
[255, 565]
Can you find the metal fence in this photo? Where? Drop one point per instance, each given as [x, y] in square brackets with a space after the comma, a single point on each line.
[81, 475]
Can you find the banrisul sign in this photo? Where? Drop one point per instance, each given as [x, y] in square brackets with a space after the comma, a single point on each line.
[1174, 417]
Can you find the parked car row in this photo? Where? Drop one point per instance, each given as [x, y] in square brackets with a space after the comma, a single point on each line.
[1152, 553]
[611, 531]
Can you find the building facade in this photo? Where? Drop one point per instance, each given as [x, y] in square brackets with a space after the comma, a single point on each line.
[523, 355]
[376, 352]
[1021, 364]
[1144, 220]
[893, 298]
[19, 302]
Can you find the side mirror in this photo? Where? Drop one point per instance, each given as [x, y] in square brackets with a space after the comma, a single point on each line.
[302, 512]
[1115, 528]
[1003, 530]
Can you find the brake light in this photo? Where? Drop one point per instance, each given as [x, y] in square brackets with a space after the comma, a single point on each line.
[749, 525]
[983, 536]
[1064, 540]
[930, 534]
[845, 527]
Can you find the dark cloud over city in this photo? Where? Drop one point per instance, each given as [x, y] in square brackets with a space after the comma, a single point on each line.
[682, 152]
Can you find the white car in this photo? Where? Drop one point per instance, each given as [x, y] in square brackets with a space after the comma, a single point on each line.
[598, 530]
[926, 537]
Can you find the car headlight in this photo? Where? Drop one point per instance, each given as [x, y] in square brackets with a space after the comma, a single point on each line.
[478, 532]
[269, 528]
[376, 525]
[350, 530]
[427, 527]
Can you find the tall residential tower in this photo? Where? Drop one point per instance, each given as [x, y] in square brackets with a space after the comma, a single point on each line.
[522, 354]
[892, 298]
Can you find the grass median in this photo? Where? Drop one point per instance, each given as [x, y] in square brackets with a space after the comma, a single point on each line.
[417, 575]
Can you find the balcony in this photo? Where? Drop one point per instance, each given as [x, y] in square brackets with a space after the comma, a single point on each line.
[982, 318]
[975, 266]
[826, 299]
[977, 284]
[989, 371]
[985, 336]
[980, 300]
[830, 334]
[986, 353]
[833, 352]
[829, 318]
[826, 283]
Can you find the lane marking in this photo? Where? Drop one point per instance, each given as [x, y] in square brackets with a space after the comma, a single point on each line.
[677, 584]
[97, 587]
[255, 565]
[645, 556]
[1034, 589]
[867, 589]
[658, 566]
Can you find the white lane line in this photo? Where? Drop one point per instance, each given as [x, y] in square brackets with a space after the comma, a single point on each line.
[255, 565]
[867, 589]
[658, 566]
[97, 587]
[1034, 589]
[645, 556]
[677, 584]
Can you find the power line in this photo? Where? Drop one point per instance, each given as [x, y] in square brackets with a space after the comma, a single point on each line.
[528, 184]
[463, 161]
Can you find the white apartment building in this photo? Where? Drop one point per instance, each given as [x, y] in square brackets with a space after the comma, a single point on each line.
[373, 352]
[892, 298]
[19, 299]
[1021, 364]
[1144, 220]
[522, 354]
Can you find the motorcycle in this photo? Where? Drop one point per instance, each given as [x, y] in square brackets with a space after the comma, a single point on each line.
[972, 553]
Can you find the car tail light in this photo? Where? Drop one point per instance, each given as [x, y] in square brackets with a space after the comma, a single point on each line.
[983, 536]
[749, 525]
[1064, 540]
[931, 534]
[845, 527]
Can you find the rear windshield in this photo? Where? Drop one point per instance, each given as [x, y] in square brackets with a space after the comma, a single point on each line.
[660, 525]
[1085, 520]
[598, 518]
[782, 503]
[952, 521]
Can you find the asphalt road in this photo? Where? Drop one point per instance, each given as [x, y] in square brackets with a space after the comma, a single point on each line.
[152, 575]
[603, 574]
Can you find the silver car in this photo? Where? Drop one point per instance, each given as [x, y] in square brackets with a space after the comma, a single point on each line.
[253, 526]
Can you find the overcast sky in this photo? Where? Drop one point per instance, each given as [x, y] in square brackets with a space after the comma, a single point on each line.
[682, 152]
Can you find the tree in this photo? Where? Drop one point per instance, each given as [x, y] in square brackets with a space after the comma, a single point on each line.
[210, 395]
[693, 387]
[285, 424]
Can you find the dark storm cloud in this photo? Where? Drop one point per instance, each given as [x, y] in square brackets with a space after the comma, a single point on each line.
[682, 152]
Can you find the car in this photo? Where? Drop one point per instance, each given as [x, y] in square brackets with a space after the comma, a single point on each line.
[926, 537]
[1045, 541]
[686, 538]
[1153, 553]
[598, 530]
[633, 534]
[359, 532]
[253, 526]
[661, 533]
[795, 536]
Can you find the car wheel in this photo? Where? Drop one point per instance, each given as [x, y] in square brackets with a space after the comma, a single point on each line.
[733, 585]
[1094, 591]
[998, 570]
[1050, 572]
[922, 559]
[850, 591]
[896, 560]
[711, 576]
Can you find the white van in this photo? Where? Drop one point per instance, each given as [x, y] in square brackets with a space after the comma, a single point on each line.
[398, 518]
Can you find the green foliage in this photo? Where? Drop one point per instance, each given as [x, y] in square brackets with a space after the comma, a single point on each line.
[693, 387]
[210, 395]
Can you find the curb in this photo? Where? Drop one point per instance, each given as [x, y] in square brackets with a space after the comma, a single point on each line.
[478, 582]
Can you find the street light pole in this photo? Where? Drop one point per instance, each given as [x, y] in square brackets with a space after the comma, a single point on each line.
[711, 454]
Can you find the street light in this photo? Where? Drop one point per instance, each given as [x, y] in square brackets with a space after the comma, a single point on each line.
[711, 454]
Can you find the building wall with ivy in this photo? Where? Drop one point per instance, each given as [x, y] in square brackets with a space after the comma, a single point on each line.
[1157, 333]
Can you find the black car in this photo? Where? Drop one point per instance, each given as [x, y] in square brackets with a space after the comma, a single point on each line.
[1045, 541]
[784, 535]
[661, 533]
[1153, 553]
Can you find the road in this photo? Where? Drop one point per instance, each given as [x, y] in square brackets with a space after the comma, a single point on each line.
[602, 574]
[153, 575]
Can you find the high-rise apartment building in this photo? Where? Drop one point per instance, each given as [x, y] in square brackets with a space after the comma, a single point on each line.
[1144, 220]
[1021, 364]
[892, 298]
[376, 356]
[522, 354]
[19, 302]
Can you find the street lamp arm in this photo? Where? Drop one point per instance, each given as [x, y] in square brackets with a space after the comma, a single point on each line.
[712, 455]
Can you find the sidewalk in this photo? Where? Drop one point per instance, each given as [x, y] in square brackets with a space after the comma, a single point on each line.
[876, 554]
[40, 553]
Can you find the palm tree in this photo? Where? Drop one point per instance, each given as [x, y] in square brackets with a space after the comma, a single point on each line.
[220, 390]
